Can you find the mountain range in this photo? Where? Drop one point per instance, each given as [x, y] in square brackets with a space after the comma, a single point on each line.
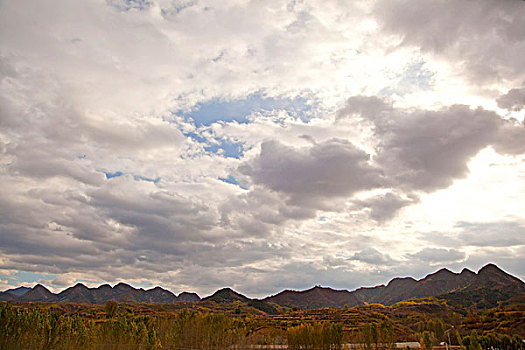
[489, 286]
[79, 293]
[481, 290]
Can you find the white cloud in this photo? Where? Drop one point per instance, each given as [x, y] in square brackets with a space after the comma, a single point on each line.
[103, 180]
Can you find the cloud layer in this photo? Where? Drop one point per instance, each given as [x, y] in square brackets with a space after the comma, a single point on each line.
[260, 146]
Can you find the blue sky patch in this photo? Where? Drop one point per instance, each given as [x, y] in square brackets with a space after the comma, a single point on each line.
[144, 178]
[126, 5]
[24, 277]
[416, 77]
[226, 148]
[112, 175]
[135, 177]
[217, 145]
[231, 180]
[195, 136]
[207, 113]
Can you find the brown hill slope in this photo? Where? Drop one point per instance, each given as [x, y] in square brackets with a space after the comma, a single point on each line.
[79, 293]
[39, 293]
[399, 289]
[486, 288]
[316, 297]
[489, 287]
[228, 295]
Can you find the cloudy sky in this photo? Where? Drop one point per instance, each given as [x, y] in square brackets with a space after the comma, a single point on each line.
[261, 145]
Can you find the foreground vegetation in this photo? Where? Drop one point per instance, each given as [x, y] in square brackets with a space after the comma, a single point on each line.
[209, 325]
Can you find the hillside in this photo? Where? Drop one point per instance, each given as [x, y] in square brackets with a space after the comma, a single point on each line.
[316, 297]
[228, 295]
[18, 291]
[486, 290]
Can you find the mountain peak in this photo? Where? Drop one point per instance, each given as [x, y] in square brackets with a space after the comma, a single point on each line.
[466, 271]
[444, 271]
[401, 281]
[40, 287]
[490, 268]
[486, 289]
[320, 288]
[122, 285]
[188, 296]
[226, 294]
[226, 291]
[80, 285]
[157, 288]
[38, 293]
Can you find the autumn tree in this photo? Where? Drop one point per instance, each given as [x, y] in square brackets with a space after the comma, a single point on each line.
[111, 308]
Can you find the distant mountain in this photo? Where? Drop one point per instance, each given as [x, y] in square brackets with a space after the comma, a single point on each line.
[399, 289]
[487, 288]
[316, 297]
[18, 291]
[160, 295]
[228, 295]
[482, 290]
[39, 293]
[79, 293]
[186, 296]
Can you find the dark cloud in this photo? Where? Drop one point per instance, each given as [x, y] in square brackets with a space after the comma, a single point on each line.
[310, 175]
[427, 150]
[367, 106]
[514, 99]
[438, 255]
[384, 207]
[482, 39]
[372, 256]
[416, 150]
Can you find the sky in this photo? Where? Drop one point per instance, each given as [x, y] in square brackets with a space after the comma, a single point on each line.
[259, 145]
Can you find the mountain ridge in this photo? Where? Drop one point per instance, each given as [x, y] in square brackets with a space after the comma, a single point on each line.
[80, 293]
[484, 289]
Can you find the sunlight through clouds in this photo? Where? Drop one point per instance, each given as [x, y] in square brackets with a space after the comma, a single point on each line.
[261, 145]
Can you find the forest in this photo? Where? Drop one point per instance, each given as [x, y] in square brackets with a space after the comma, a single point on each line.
[210, 325]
